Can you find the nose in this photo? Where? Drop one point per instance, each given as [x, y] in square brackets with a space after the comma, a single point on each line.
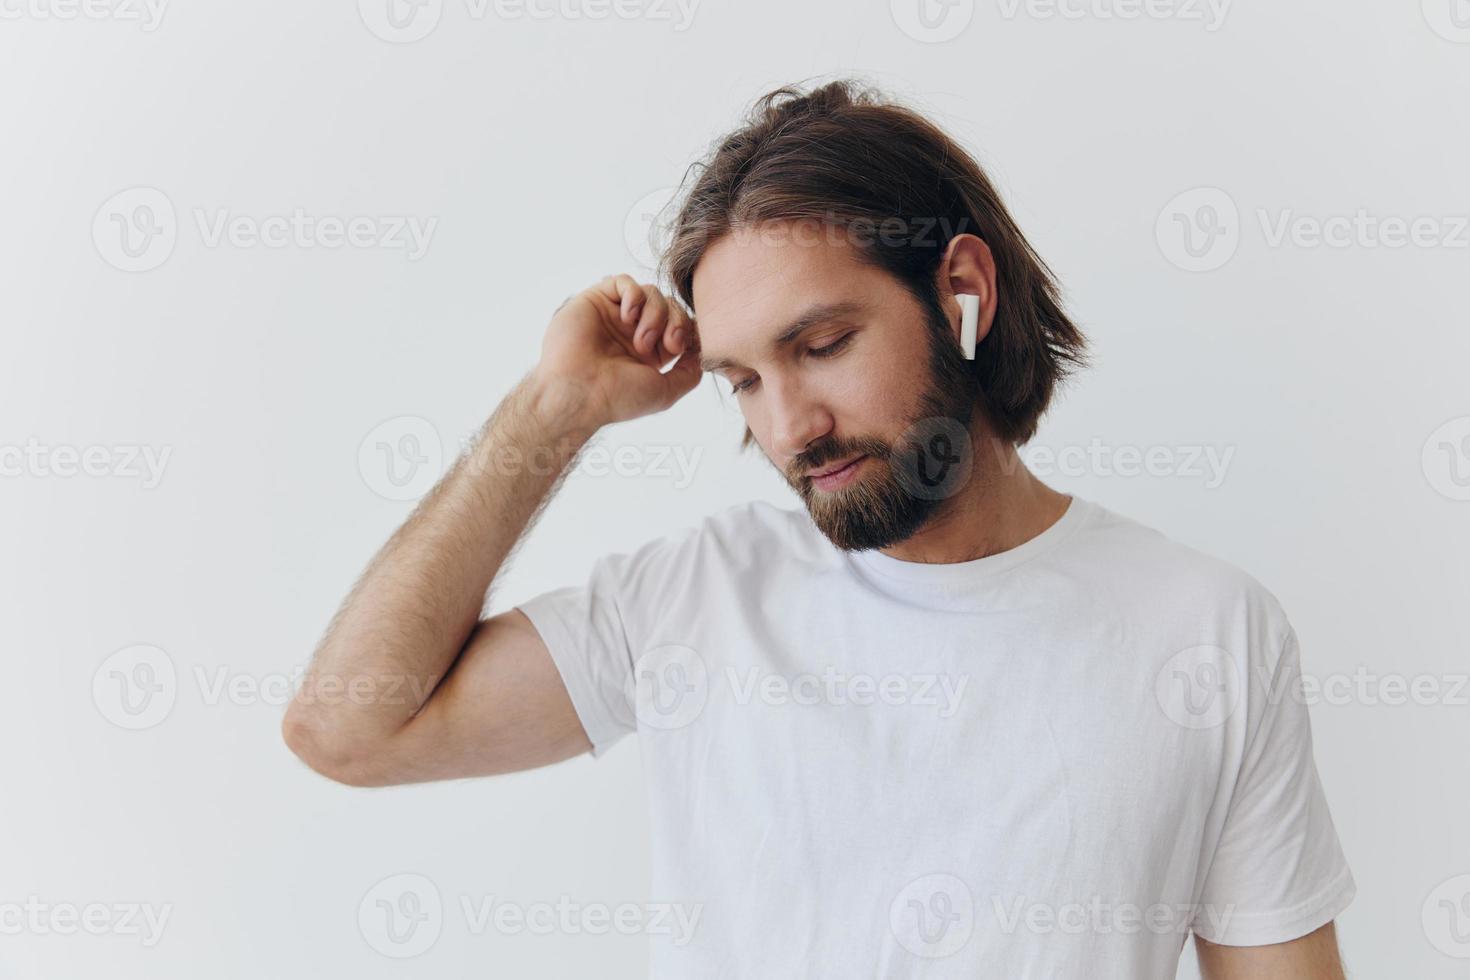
[797, 419]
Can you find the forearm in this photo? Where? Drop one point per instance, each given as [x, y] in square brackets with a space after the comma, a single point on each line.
[399, 631]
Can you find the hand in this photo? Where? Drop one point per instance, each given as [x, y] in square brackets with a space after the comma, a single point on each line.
[604, 347]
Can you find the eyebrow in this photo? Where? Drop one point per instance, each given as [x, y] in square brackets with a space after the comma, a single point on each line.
[821, 313]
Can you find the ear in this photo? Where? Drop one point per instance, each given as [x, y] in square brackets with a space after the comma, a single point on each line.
[968, 268]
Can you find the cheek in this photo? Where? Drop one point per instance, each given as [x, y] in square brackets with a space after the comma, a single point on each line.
[872, 398]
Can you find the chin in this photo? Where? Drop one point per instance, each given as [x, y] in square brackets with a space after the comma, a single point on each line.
[873, 512]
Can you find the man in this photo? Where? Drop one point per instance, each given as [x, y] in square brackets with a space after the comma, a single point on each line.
[940, 721]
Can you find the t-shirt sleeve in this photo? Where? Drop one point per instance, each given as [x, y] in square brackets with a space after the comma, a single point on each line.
[1278, 871]
[596, 631]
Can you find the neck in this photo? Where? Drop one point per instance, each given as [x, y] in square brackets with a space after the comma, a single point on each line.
[1003, 505]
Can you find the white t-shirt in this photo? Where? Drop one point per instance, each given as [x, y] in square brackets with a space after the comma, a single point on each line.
[1052, 762]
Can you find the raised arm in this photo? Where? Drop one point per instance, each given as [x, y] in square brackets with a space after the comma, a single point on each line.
[410, 684]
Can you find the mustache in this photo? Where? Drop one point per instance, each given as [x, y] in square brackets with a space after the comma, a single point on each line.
[833, 452]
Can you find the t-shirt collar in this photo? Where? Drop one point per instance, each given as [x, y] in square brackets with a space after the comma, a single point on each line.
[961, 572]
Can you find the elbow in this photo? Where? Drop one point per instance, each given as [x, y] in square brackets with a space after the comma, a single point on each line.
[336, 758]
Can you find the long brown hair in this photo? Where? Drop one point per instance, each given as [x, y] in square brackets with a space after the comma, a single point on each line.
[847, 156]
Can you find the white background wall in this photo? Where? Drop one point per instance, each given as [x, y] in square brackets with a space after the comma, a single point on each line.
[534, 145]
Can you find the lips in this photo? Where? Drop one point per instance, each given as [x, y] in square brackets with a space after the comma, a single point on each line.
[839, 466]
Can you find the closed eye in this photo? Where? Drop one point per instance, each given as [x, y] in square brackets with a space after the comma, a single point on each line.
[831, 350]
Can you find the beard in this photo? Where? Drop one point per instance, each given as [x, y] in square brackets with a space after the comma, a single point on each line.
[907, 483]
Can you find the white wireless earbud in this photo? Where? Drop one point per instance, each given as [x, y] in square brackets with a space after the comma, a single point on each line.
[969, 322]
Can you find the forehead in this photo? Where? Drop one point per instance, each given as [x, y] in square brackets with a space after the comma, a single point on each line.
[754, 280]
